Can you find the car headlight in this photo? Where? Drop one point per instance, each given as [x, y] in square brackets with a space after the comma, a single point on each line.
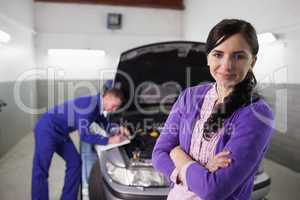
[136, 176]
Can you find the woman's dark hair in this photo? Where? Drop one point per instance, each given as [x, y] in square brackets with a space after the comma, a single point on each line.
[243, 93]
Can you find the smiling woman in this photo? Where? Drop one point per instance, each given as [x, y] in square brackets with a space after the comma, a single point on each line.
[215, 149]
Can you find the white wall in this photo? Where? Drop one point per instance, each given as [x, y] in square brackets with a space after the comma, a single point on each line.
[84, 26]
[17, 56]
[276, 62]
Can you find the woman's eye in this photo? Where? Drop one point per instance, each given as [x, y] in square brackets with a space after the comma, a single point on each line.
[217, 55]
[239, 56]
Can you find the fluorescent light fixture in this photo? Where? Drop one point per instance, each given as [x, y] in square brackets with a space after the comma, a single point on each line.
[4, 37]
[266, 38]
[75, 52]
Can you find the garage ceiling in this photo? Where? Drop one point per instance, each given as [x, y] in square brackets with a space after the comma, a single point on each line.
[168, 4]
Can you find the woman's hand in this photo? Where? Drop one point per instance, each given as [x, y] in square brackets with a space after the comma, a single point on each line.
[220, 160]
[179, 157]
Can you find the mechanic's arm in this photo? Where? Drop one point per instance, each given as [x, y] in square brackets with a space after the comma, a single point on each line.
[247, 145]
[91, 138]
[87, 136]
[83, 125]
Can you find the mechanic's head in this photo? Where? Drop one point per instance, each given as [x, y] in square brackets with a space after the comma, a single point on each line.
[112, 99]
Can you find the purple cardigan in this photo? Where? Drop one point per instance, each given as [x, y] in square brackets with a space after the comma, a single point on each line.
[246, 135]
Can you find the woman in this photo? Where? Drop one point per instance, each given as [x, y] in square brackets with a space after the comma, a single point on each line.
[216, 134]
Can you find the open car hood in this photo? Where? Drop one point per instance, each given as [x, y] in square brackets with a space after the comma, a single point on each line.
[167, 67]
[151, 76]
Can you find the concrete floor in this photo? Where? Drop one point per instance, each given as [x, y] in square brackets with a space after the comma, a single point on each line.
[15, 175]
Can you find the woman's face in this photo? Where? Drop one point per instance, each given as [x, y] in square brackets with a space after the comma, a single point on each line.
[230, 61]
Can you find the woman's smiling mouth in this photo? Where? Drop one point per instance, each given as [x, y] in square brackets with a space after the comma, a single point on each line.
[227, 76]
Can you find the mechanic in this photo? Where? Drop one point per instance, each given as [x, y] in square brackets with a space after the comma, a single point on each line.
[52, 132]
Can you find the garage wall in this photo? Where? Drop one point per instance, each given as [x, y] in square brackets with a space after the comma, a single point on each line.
[17, 56]
[279, 17]
[83, 26]
[75, 26]
[277, 68]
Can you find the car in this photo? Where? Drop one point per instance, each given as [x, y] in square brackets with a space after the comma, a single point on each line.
[151, 76]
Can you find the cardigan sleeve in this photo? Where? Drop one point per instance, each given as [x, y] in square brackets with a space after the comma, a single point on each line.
[168, 139]
[251, 134]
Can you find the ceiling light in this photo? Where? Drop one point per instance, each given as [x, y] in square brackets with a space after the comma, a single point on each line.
[4, 37]
[75, 52]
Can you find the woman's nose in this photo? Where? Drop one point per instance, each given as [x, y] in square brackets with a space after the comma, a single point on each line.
[227, 63]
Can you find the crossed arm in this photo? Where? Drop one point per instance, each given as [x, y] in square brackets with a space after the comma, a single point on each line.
[225, 172]
[180, 159]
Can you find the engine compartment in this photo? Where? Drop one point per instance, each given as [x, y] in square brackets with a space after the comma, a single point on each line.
[142, 145]
[144, 130]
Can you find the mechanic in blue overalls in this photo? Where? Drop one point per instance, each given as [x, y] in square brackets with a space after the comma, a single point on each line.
[52, 136]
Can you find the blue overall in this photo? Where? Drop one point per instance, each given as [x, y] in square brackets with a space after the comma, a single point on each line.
[52, 136]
